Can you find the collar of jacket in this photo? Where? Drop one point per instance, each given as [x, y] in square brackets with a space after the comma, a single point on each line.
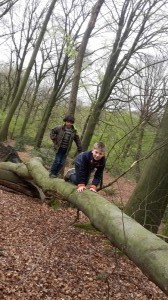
[72, 127]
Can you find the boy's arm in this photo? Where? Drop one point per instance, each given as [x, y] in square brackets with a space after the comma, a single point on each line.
[53, 133]
[97, 177]
[82, 173]
[78, 142]
[82, 176]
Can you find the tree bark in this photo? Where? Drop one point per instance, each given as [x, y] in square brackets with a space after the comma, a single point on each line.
[12, 182]
[19, 169]
[29, 110]
[14, 175]
[150, 198]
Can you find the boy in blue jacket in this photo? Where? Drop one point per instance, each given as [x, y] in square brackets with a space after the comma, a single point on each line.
[86, 163]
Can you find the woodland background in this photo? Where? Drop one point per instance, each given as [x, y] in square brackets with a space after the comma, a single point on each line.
[103, 61]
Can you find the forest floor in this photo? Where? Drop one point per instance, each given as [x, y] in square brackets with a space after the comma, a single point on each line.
[45, 255]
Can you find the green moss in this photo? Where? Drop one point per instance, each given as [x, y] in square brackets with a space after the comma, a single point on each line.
[54, 203]
[165, 230]
[87, 227]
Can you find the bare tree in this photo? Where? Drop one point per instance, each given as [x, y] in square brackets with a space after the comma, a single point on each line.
[139, 25]
[81, 52]
[151, 84]
[142, 100]
[5, 127]
[66, 45]
[5, 6]
[22, 37]
[39, 76]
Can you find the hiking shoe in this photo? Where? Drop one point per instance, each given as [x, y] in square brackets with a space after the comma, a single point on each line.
[69, 173]
[52, 175]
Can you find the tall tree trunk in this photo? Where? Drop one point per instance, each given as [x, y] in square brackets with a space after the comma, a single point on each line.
[129, 143]
[86, 122]
[47, 113]
[139, 151]
[5, 126]
[16, 120]
[91, 124]
[78, 64]
[60, 75]
[29, 110]
[150, 197]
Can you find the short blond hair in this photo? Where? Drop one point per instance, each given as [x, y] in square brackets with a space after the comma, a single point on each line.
[100, 145]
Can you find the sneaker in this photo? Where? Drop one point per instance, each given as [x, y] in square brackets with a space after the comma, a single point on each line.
[69, 173]
[52, 175]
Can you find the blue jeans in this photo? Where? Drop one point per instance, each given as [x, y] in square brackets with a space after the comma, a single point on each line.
[59, 161]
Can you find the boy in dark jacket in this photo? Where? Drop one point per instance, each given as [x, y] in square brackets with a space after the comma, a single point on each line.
[62, 137]
[85, 163]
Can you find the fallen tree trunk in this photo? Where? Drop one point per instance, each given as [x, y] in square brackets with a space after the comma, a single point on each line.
[144, 248]
[15, 184]
[12, 171]
[18, 168]
[14, 177]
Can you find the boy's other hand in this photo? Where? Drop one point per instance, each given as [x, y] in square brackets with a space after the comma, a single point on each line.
[93, 188]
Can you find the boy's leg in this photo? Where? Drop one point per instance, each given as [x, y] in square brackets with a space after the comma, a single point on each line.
[72, 175]
[58, 162]
[73, 178]
[68, 174]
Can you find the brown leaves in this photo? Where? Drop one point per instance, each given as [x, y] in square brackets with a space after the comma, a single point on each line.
[45, 258]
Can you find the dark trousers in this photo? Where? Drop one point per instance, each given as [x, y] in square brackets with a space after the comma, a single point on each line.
[74, 178]
[59, 161]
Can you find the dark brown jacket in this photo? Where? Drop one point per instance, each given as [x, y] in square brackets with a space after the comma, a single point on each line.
[57, 134]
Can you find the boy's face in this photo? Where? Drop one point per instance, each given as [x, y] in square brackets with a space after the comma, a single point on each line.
[68, 124]
[98, 153]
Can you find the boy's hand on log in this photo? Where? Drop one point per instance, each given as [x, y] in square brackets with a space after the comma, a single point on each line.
[81, 188]
[93, 188]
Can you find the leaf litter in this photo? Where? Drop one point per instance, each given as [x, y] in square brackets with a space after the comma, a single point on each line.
[44, 256]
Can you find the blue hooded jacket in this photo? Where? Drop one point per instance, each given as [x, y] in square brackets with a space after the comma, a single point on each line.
[85, 164]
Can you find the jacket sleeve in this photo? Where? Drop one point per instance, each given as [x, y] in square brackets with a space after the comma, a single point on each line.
[82, 168]
[98, 175]
[78, 142]
[53, 133]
